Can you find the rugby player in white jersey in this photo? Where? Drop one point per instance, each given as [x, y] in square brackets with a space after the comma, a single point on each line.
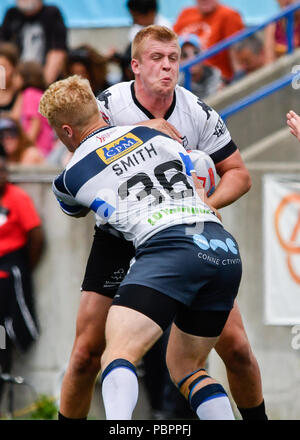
[187, 268]
[155, 99]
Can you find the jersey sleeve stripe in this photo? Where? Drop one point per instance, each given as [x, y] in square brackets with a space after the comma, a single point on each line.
[75, 177]
[224, 152]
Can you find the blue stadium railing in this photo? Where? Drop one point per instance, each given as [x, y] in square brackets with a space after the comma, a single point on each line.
[287, 13]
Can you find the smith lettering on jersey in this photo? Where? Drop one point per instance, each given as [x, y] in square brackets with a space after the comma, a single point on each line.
[134, 178]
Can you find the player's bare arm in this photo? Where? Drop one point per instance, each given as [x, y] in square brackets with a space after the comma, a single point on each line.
[235, 181]
[293, 121]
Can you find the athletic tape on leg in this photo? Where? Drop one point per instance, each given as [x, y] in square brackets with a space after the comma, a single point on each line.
[187, 385]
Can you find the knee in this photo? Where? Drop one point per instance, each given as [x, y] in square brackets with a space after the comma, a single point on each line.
[178, 370]
[238, 354]
[84, 361]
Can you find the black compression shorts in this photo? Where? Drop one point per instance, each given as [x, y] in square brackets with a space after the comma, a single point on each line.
[164, 310]
[107, 264]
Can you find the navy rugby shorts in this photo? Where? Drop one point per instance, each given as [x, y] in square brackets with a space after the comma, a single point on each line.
[200, 269]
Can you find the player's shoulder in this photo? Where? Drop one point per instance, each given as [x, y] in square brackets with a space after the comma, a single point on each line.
[192, 105]
[115, 91]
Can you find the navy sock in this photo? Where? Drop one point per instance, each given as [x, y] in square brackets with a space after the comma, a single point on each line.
[255, 413]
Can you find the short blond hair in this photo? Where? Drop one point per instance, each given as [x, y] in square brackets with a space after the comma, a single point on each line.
[69, 101]
[154, 32]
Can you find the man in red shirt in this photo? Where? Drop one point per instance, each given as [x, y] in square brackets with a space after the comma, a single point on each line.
[212, 22]
[21, 243]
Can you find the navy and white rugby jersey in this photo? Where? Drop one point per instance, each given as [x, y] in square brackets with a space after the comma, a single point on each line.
[200, 125]
[134, 178]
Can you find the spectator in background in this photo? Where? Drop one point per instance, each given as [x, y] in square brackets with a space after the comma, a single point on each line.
[86, 62]
[9, 58]
[32, 81]
[144, 13]
[206, 80]
[250, 55]
[212, 22]
[276, 37]
[40, 34]
[18, 148]
[21, 244]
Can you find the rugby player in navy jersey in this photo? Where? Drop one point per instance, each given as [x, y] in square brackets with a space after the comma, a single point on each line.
[155, 100]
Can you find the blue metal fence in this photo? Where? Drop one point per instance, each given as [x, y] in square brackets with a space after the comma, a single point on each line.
[287, 13]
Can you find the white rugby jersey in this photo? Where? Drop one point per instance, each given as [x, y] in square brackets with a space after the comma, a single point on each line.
[200, 126]
[135, 179]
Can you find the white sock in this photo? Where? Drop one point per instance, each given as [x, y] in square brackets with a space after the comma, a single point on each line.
[216, 408]
[120, 393]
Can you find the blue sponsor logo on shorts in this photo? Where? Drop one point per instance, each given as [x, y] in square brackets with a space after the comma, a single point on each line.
[228, 245]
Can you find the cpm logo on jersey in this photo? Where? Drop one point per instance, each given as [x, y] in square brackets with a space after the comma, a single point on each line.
[118, 148]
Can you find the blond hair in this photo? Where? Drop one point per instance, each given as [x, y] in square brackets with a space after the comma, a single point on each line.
[69, 101]
[154, 32]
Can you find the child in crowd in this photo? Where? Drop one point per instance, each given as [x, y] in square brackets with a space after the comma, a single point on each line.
[32, 82]
[17, 146]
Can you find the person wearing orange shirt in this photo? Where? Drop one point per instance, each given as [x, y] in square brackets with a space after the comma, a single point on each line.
[212, 22]
[21, 244]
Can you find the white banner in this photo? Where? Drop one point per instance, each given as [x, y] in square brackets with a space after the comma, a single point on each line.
[281, 239]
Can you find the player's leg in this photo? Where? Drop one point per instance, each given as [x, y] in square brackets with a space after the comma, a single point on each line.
[242, 367]
[206, 396]
[106, 267]
[84, 365]
[137, 318]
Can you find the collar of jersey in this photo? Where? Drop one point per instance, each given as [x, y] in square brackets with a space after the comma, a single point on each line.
[144, 110]
[93, 133]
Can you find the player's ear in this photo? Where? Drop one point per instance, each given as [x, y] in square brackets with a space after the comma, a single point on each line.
[68, 130]
[135, 65]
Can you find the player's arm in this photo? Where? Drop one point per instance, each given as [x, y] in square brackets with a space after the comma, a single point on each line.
[293, 121]
[235, 181]
[216, 141]
[66, 201]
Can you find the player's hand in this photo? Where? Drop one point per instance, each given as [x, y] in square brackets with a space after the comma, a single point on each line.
[293, 121]
[165, 127]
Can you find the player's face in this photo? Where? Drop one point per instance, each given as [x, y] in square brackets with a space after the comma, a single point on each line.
[158, 67]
